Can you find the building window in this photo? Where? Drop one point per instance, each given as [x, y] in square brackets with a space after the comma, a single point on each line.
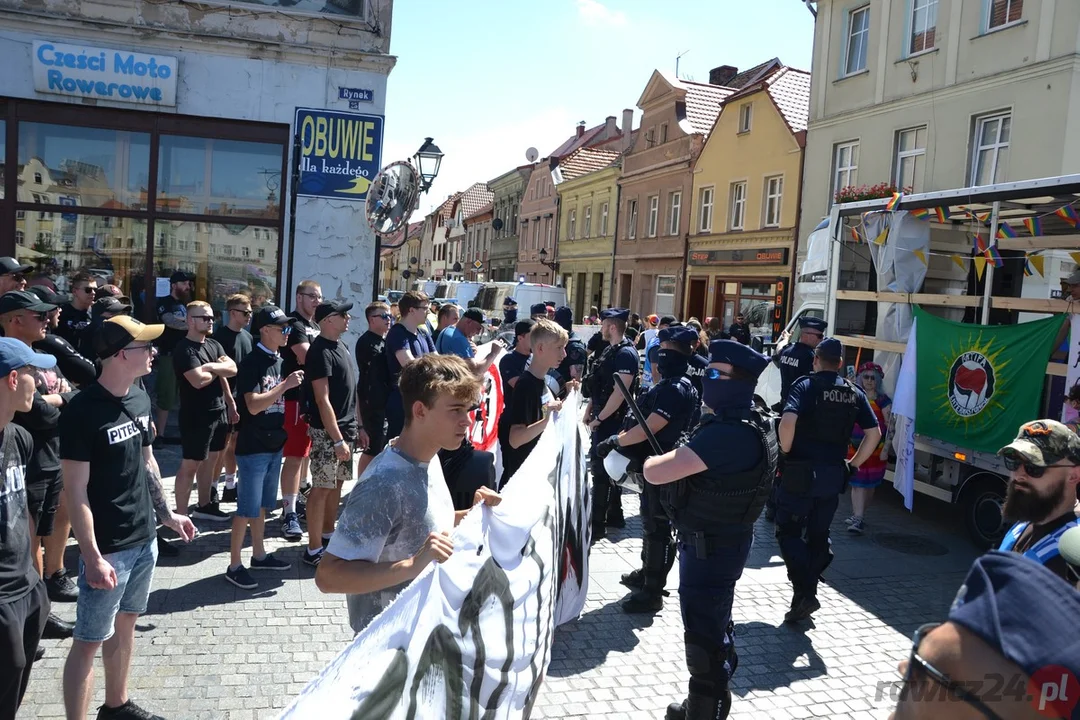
[571, 225]
[923, 25]
[654, 216]
[245, 251]
[991, 149]
[37, 178]
[910, 159]
[20, 214]
[858, 37]
[587, 230]
[663, 133]
[536, 234]
[547, 241]
[603, 220]
[705, 202]
[774, 193]
[20, 237]
[665, 295]
[631, 219]
[845, 166]
[1004, 12]
[738, 205]
[674, 210]
[746, 113]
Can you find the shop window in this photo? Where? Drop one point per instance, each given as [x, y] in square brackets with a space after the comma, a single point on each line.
[94, 167]
[203, 176]
[755, 301]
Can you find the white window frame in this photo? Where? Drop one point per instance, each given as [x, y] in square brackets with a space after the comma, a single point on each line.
[586, 229]
[916, 27]
[550, 224]
[705, 214]
[774, 200]
[995, 147]
[850, 171]
[746, 117]
[603, 220]
[738, 205]
[989, 12]
[916, 155]
[631, 219]
[674, 212]
[571, 224]
[536, 234]
[849, 37]
[666, 309]
[653, 222]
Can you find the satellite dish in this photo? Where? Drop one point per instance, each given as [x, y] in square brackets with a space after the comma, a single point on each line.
[392, 198]
[531, 154]
[497, 224]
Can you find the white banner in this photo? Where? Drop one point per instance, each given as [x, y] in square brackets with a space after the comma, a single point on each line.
[904, 412]
[472, 637]
[1068, 415]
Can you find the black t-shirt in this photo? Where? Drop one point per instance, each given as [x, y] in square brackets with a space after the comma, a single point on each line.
[73, 323]
[401, 338]
[675, 401]
[78, 369]
[373, 379]
[42, 423]
[511, 367]
[169, 305]
[330, 359]
[236, 344]
[260, 372]
[530, 396]
[576, 354]
[303, 332]
[94, 429]
[17, 574]
[188, 355]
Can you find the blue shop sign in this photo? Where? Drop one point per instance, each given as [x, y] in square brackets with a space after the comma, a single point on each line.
[356, 94]
[340, 153]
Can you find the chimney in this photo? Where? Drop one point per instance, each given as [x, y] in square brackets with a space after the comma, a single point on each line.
[627, 127]
[610, 128]
[581, 128]
[722, 75]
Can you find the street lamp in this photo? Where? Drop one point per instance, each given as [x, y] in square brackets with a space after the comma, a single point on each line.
[554, 264]
[427, 160]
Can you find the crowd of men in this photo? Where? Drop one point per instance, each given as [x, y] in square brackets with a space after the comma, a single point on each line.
[269, 399]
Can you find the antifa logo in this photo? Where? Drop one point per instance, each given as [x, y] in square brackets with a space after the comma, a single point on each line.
[972, 382]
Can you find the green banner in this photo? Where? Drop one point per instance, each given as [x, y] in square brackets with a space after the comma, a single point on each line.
[977, 384]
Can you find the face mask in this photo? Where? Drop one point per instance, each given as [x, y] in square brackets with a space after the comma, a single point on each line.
[671, 363]
[510, 315]
[723, 393]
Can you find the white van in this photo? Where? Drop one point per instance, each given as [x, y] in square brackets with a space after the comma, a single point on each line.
[490, 297]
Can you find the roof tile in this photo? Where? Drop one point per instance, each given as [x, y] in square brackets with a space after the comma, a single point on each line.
[587, 160]
[474, 198]
[485, 209]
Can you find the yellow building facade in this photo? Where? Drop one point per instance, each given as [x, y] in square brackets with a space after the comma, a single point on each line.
[745, 212]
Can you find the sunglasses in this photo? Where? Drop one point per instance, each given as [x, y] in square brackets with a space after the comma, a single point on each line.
[1015, 462]
[869, 377]
[17, 276]
[313, 296]
[245, 313]
[89, 290]
[141, 347]
[384, 316]
[716, 374]
[208, 318]
[951, 688]
[39, 316]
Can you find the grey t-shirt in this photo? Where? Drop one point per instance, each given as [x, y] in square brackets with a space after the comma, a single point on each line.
[395, 505]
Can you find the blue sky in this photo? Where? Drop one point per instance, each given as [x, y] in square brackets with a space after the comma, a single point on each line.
[490, 78]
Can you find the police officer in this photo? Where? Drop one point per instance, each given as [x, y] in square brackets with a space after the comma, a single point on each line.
[819, 415]
[573, 365]
[797, 359]
[670, 408]
[605, 411]
[714, 488]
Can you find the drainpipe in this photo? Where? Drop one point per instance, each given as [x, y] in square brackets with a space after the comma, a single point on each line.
[615, 242]
[685, 277]
[795, 248]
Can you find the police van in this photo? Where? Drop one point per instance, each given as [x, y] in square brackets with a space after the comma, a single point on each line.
[862, 296]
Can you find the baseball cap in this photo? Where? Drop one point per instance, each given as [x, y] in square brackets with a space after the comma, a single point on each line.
[180, 276]
[1074, 278]
[268, 315]
[10, 265]
[49, 296]
[23, 300]
[474, 314]
[615, 314]
[330, 307]
[110, 304]
[15, 354]
[1043, 443]
[830, 348]
[667, 320]
[564, 317]
[107, 291]
[118, 332]
[538, 309]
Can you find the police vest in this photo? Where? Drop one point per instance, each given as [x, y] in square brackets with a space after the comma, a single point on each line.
[1044, 550]
[710, 499]
[575, 355]
[833, 417]
[644, 450]
[603, 380]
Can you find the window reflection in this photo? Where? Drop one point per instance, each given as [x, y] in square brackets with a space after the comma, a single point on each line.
[218, 177]
[225, 258]
[78, 166]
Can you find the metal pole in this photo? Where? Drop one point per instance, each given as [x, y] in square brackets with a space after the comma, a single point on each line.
[989, 275]
[375, 279]
[294, 186]
[637, 414]
[833, 276]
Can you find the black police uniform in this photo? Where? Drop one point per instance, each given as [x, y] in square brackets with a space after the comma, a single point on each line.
[815, 475]
[675, 400]
[795, 361]
[714, 513]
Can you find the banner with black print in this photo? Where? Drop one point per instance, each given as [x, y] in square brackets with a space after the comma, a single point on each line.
[471, 638]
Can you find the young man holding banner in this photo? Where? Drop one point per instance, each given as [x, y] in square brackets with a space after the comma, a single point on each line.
[398, 518]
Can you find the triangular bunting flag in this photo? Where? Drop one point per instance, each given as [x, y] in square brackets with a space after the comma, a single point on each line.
[959, 262]
[942, 214]
[994, 256]
[1037, 262]
[980, 244]
[855, 235]
[1076, 257]
[1068, 214]
[881, 238]
[1005, 231]
[894, 201]
[921, 213]
[1034, 226]
[921, 255]
[980, 266]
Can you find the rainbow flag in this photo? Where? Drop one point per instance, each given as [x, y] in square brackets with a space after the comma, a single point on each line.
[921, 213]
[1005, 231]
[1068, 214]
[942, 214]
[1034, 226]
[894, 201]
[980, 244]
[994, 256]
[1028, 270]
[984, 217]
[855, 235]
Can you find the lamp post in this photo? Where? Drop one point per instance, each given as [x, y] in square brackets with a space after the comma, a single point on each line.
[427, 160]
[554, 264]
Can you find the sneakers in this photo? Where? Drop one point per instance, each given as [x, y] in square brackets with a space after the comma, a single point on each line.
[290, 527]
[228, 495]
[312, 560]
[856, 526]
[635, 579]
[269, 563]
[802, 610]
[848, 521]
[61, 587]
[241, 578]
[57, 629]
[214, 499]
[211, 512]
[127, 711]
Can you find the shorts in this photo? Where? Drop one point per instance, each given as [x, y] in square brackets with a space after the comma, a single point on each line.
[202, 433]
[166, 388]
[298, 444]
[327, 472]
[258, 486]
[375, 427]
[96, 610]
[43, 497]
[22, 623]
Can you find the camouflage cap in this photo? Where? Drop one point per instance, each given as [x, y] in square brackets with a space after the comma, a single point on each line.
[1044, 443]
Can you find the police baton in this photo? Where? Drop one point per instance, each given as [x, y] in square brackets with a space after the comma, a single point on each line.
[637, 414]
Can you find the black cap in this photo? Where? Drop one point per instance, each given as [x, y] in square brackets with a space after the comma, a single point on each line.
[615, 314]
[830, 349]
[110, 304]
[107, 290]
[47, 295]
[736, 354]
[117, 333]
[23, 300]
[9, 265]
[181, 276]
[330, 307]
[475, 314]
[668, 320]
[538, 309]
[268, 315]
[524, 327]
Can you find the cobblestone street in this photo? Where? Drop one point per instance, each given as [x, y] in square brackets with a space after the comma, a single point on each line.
[208, 650]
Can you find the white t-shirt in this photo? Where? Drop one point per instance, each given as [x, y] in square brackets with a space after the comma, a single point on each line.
[395, 505]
